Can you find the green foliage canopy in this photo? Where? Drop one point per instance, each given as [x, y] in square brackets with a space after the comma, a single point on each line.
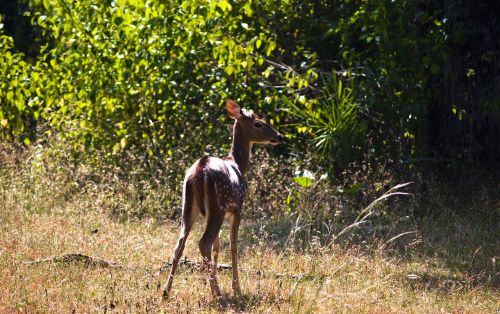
[153, 74]
[126, 72]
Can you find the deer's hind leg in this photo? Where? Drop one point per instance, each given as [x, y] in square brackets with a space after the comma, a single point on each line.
[206, 244]
[215, 251]
[190, 212]
[210, 240]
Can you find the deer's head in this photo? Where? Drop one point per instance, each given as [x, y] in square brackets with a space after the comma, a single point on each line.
[253, 128]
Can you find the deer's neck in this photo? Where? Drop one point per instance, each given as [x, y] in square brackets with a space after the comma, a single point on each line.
[241, 148]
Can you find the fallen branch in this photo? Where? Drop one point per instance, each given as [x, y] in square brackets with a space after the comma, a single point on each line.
[89, 261]
[191, 264]
[223, 267]
[85, 260]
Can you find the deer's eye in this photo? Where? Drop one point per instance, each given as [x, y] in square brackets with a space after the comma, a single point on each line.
[258, 124]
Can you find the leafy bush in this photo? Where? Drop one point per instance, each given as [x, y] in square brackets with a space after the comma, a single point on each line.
[334, 123]
[123, 73]
[15, 91]
[153, 75]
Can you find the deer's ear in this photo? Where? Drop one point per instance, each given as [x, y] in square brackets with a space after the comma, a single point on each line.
[233, 109]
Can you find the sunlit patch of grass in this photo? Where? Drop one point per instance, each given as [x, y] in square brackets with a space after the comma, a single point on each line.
[333, 279]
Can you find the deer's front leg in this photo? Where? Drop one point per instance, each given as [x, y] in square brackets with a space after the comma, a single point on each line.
[235, 224]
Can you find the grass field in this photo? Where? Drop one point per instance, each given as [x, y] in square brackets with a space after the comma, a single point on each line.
[445, 264]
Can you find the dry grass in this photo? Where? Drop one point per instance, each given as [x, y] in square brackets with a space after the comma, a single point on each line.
[328, 280]
[43, 215]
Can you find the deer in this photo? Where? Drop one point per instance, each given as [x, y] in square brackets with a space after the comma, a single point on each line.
[215, 188]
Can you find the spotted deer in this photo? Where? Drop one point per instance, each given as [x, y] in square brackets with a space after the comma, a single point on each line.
[214, 188]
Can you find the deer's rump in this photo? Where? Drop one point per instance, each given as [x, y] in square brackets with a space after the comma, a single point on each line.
[215, 185]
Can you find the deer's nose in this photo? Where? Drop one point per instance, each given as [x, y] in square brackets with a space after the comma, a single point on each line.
[281, 138]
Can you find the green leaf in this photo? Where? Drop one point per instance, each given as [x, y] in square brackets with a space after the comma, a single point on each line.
[258, 43]
[271, 45]
[10, 96]
[229, 69]
[303, 181]
[46, 4]
[304, 178]
[248, 9]
[224, 5]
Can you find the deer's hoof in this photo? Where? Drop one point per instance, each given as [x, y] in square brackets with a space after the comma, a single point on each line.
[165, 295]
[236, 292]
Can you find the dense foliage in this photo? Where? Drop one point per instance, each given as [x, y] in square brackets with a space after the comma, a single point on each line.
[407, 80]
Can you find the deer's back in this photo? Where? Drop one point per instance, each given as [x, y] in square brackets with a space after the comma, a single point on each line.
[216, 180]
